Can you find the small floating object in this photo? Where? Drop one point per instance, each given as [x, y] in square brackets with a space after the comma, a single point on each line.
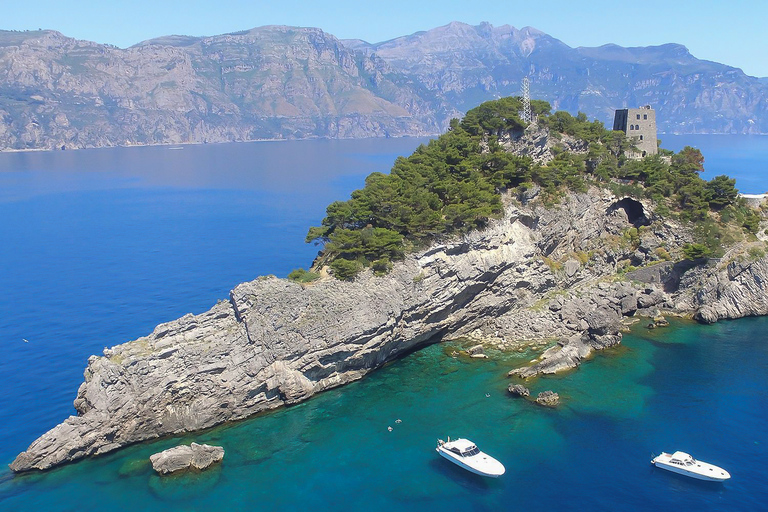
[487, 395]
[25, 340]
[398, 421]
[389, 428]
[465, 453]
[684, 464]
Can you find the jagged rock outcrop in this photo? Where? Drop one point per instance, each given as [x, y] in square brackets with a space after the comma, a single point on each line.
[179, 458]
[538, 143]
[518, 390]
[734, 287]
[278, 342]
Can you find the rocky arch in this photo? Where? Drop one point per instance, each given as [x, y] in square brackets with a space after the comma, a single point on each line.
[633, 209]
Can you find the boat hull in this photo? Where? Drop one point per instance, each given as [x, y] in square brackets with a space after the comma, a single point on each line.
[717, 474]
[496, 471]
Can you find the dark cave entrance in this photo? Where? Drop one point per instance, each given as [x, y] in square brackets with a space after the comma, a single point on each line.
[633, 209]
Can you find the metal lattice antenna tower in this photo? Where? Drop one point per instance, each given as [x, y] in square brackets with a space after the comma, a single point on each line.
[527, 117]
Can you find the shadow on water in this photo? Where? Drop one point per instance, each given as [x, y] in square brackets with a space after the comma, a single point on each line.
[460, 476]
[681, 483]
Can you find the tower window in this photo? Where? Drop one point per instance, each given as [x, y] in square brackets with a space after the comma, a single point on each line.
[637, 127]
[641, 137]
[631, 127]
[638, 116]
[645, 116]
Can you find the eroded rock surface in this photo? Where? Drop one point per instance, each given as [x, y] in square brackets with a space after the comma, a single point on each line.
[276, 342]
[179, 458]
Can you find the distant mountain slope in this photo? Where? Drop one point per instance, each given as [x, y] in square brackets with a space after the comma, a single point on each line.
[271, 82]
[286, 82]
[466, 64]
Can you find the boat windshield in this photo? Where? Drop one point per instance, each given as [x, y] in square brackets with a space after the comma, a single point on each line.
[472, 450]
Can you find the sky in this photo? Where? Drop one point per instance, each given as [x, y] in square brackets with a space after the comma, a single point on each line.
[731, 32]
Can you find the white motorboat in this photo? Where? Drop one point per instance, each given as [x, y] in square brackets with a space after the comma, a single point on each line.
[681, 462]
[465, 453]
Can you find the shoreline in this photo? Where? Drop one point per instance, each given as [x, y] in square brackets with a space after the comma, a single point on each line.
[162, 144]
[276, 342]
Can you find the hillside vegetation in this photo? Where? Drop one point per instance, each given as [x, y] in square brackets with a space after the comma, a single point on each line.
[453, 185]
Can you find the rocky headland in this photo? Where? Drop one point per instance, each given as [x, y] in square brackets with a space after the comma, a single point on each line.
[562, 268]
[538, 273]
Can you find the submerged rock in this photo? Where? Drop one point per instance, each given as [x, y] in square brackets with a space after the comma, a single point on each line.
[548, 399]
[198, 456]
[477, 352]
[518, 390]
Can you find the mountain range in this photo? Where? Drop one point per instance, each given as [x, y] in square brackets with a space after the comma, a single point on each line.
[278, 82]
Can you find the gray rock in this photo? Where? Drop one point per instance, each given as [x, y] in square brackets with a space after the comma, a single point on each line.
[276, 342]
[571, 267]
[197, 456]
[476, 350]
[548, 399]
[518, 390]
[628, 305]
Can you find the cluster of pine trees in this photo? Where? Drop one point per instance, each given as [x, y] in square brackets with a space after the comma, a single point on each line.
[452, 185]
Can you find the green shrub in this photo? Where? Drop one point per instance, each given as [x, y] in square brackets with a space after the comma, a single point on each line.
[381, 266]
[302, 276]
[662, 254]
[756, 253]
[695, 251]
[346, 270]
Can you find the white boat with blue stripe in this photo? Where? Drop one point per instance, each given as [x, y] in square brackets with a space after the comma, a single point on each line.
[465, 453]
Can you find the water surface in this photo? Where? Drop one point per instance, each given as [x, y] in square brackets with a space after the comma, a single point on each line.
[99, 246]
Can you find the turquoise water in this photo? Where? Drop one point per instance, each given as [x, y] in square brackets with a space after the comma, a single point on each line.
[688, 387]
[100, 246]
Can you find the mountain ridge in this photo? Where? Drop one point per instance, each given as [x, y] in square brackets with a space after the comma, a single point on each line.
[278, 82]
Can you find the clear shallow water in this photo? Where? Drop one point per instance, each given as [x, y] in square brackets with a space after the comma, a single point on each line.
[100, 246]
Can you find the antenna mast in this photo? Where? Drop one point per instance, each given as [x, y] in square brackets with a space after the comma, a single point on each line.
[526, 114]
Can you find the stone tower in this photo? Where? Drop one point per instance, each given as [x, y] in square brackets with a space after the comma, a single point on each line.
[639, 124]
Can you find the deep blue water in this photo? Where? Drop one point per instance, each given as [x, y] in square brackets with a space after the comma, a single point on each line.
[99, 246]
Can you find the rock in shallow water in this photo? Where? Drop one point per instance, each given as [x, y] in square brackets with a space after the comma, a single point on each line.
[518, 390]
[548, 399]
[198, 456]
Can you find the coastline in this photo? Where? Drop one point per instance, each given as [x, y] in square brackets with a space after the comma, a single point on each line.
[277, 343]
[163, 144]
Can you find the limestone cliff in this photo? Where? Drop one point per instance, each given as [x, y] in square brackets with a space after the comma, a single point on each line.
[288, 82]
[539, 273]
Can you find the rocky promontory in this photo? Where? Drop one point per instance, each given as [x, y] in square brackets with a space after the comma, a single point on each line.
[538, 273]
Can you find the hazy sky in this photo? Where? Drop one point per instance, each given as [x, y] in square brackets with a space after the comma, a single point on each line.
[732, 32]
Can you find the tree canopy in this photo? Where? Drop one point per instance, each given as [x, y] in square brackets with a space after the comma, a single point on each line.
[452, 184]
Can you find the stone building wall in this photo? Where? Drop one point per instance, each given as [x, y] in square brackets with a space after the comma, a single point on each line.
[640, 125]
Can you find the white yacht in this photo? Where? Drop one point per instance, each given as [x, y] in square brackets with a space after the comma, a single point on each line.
[464, 453]
[681, 462]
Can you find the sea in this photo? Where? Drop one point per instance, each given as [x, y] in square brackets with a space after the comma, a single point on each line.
[99, 246]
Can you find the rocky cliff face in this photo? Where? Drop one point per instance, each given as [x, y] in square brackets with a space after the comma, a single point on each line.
[468, 64]
[268, 83]
[536, 274]
[287, 82]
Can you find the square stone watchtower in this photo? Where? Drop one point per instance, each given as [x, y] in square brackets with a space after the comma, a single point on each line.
[639, 124]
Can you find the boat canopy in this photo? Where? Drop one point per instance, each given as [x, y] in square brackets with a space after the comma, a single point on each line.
[681, 456]
[463, 445]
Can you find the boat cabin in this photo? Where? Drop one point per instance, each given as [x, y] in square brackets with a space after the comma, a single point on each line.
[463, 448]
[681, 459]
